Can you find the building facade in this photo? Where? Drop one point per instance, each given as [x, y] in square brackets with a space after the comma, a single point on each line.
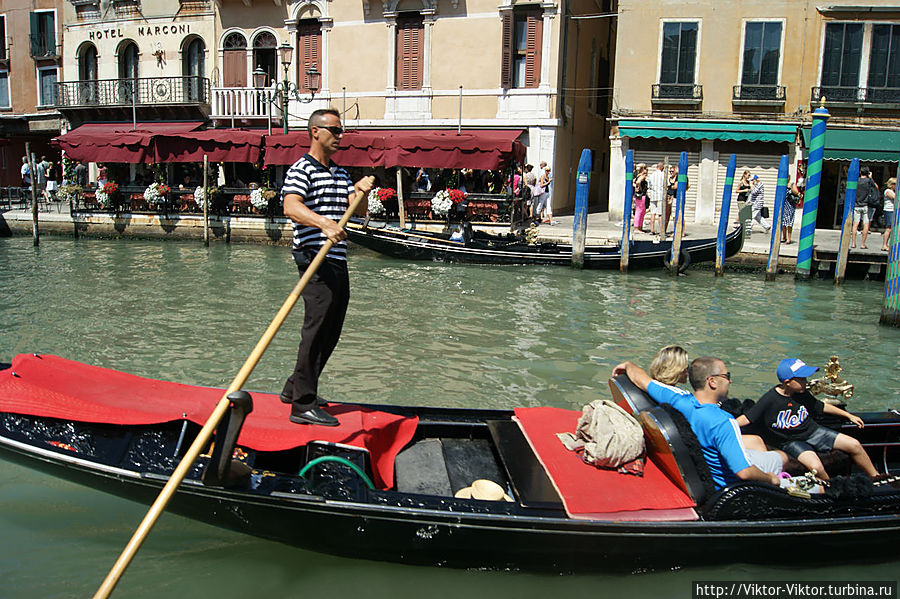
[713, 80]
[30, 58]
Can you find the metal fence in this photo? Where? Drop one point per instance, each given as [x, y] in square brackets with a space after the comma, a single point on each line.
[117, 92]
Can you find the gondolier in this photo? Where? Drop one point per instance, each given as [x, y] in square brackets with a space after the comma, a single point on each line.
[316, 194]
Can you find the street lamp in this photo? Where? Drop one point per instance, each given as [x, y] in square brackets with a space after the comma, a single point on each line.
[285, 89]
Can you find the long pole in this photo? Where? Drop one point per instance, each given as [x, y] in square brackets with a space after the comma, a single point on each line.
[626, 213]
[35, 232]
[203, 437]
[777, 209]
[665, 201]
[811, 195]
[724, 216]
[890, 308]
[400, 207]
[579, 223]
[459, 122]
[206, 200]
[680, 195]
[840, 267]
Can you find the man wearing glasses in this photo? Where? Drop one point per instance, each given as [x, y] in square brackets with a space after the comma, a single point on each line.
[717, 432]
[316, 193]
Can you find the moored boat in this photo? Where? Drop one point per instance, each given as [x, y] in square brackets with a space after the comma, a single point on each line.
[479, 247]
[382, 485]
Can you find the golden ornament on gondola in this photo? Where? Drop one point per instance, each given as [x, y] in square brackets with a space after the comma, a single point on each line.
[832, 385]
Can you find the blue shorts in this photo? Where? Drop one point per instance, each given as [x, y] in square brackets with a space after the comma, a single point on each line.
[821, 439]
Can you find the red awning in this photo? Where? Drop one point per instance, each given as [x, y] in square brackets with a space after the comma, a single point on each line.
[358, 148]
[220, 145]
[116, 142]
[482, 149]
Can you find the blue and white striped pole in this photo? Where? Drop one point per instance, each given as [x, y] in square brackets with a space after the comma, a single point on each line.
[840, 267]
[777, 210]
[680, 191]
[626, 215]
[582, 191]
[811, 195]
[724, 216]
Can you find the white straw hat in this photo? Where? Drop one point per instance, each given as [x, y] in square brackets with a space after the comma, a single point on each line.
[484, 490]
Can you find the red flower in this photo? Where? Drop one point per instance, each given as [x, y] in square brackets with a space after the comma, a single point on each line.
[110, 188]
[386, 193]
[456, 196]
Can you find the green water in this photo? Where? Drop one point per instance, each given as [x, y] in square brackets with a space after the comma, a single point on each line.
[416, 333]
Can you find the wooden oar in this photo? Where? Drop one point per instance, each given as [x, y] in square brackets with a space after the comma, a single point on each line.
[206, 432]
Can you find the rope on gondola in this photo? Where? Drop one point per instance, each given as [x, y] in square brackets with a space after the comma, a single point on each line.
[683, 262]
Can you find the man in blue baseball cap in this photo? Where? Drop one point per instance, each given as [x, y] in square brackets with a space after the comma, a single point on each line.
[788, 411]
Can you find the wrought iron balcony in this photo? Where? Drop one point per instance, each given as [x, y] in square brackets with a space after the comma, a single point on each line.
[758, 94]
[124, 92]
[44, 47]
[677, 93]
[885, 96]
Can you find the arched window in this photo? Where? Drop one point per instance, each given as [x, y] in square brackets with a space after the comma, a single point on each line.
[193, 67]
[234, 60]
[128, 72]
[264, 45]
[309, 43]
[87, 74]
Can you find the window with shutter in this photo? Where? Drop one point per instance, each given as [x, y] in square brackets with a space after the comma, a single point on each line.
[522, 37]
[410, 37]
[234, 57]
[309, 39]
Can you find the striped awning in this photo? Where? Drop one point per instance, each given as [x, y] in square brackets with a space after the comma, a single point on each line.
[712, 130]
[869, 145]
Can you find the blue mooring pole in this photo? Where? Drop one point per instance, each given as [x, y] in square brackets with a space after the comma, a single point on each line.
[582, 191]
[840, 267]
[680, 192]
[890, 308]
[777, 210]
[725, 216]
[626, 214]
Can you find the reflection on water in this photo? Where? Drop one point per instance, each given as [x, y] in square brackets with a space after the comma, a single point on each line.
[417, 333]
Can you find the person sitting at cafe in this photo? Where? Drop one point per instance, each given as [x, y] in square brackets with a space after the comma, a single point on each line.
[716, 431]
[787, 411]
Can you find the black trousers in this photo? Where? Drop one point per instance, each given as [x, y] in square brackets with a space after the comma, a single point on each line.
[325, 298]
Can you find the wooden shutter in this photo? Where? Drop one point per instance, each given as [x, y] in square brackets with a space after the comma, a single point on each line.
[410, 38]
[506, 49]
[309, 36]
[234, 68]
[533, 51]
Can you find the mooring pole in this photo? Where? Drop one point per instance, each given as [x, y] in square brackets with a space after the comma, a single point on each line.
[626, 215]
[400, 206]
[579, 224]
[811, 195]
[206, 200]
[890, 308]
[35, 231]
[777, 210]
[665, 201]
[840, 267]
[725, 216]
[680, 194]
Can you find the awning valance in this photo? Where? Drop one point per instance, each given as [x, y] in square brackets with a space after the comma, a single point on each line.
[481, 149]
[117, 142]
[869, 145]
[712, 130]
[220, 145]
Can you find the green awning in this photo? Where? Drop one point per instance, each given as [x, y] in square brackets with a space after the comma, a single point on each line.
[709, 130]
[869, 145]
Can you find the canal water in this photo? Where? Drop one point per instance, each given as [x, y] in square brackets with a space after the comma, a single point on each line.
[416, 333]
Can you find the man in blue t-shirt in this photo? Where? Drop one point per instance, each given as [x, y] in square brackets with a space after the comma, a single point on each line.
[717, 432]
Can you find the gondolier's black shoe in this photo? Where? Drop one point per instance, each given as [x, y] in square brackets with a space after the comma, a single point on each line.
[320, 401]
[314, 416]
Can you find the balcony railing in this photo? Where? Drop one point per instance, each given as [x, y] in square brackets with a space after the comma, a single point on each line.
[856, 95]
[242, 103]
[677, 93]
[119, 92]
[758, 94]
[44, 47]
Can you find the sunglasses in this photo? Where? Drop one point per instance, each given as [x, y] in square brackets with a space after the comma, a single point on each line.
[336, 131]
[725, 375]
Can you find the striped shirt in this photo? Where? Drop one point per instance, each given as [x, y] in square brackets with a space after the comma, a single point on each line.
[324, 191]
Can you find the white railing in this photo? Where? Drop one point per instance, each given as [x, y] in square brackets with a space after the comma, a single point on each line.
[243, 103]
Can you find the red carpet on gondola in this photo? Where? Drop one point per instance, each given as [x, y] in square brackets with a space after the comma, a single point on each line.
[589, 492]
[54, 387]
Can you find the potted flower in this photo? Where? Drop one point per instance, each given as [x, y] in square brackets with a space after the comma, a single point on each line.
[380, 200]
[69, 193]
[106, 195]
[156, 193]
[200, 196]
[261, 198]
[441, 204]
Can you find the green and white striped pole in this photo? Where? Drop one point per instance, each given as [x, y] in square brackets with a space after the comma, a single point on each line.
[811, 196]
